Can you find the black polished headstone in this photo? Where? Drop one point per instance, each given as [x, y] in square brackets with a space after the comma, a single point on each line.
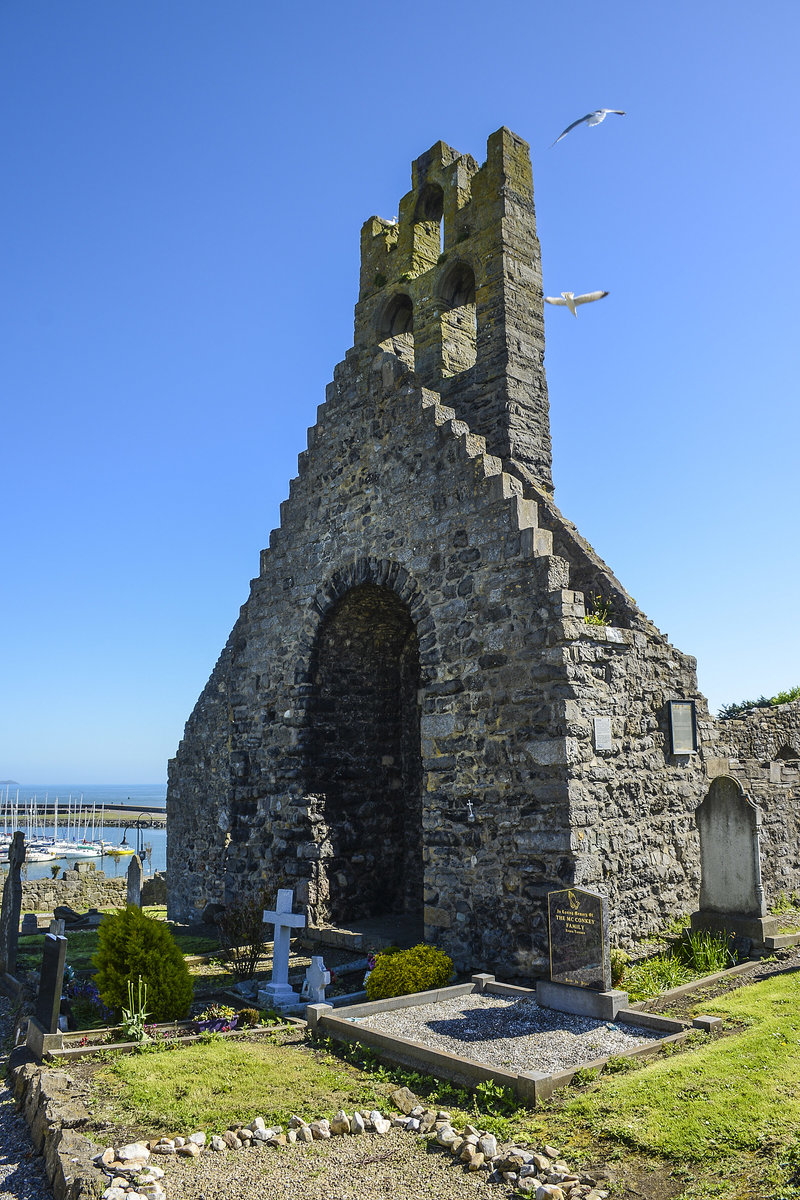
[51, 980]
[579, 945]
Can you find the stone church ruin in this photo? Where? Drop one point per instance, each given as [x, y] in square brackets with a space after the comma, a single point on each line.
[412, 715]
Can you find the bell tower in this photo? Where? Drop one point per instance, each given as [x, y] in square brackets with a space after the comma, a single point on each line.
[454, 288]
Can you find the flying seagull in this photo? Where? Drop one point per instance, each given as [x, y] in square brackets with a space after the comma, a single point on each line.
[593, 118]
[571, 300]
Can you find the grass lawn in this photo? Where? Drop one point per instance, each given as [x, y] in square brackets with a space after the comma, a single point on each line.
[210, 1085]
[82, 943]
[719, 1120]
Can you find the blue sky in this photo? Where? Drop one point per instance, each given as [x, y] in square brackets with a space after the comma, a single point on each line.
[184, 185]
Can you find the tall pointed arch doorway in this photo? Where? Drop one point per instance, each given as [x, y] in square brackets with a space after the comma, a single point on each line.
[364, 755]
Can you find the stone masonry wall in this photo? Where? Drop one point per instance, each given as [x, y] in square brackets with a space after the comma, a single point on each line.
[403, 718]
[764, 755]
[511, 679]
[82, 890]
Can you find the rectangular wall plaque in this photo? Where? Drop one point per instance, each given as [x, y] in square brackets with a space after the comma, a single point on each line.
[602, 733]
[683, 726]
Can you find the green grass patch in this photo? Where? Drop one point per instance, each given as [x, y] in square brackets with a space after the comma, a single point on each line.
[729, 1108]
[82, 944]
[692, 956]
[211, 1084]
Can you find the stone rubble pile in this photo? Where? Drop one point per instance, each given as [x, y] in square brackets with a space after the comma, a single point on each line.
[542, 1173]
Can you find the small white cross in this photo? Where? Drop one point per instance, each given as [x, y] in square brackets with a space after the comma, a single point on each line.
[278, 994]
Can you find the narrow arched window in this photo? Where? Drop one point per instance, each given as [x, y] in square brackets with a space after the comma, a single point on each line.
[459, 319]
[428, 226]
[396, 328]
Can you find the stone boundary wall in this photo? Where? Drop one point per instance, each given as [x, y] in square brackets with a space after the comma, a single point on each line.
[763, 749]
[87, 889]
[51, 1105]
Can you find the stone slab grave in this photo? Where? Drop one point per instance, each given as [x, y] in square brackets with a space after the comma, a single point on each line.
[580, 956]
[476, 1060]
[278, 993]
[43, 1026]
[731, 896]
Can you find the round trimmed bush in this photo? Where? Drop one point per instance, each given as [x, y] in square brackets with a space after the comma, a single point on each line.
[416, 970]
[131, 944]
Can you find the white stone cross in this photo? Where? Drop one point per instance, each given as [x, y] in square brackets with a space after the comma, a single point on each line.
[317, 979]
[278, 994]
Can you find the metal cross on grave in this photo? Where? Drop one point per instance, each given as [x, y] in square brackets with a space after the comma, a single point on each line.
[278, 994]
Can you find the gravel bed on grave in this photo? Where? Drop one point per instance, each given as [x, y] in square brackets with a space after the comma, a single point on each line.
[514, 1034]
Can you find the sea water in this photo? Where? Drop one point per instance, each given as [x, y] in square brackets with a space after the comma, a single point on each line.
[121, 795]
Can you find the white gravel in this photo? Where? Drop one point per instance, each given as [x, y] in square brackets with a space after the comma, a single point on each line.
[514, 1034]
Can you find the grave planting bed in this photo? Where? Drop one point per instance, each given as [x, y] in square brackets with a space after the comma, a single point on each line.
[417, 1028]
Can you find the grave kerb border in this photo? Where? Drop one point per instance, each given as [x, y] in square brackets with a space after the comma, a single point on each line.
[529, 1086]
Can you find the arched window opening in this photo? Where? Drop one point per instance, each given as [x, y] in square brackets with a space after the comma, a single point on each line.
[459, 320]
[365, 757]
[429, 226]
[396, 328]
[787, 754]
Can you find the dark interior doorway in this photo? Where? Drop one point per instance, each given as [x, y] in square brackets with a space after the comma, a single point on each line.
[365, 755]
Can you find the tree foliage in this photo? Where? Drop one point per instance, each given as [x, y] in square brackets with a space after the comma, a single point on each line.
[131, 945]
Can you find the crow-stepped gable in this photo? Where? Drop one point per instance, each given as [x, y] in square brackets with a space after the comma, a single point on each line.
[411, 714]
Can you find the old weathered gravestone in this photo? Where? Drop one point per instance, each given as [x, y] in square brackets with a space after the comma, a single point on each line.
[57, 927]
[30, 924]
[580, 956]
[278, 993]
[51, 981]
[731, 896]
[317, 979]
[12, 905]
[135, 875]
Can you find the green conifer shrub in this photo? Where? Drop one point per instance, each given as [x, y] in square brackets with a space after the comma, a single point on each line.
[130, 945]
[416, 970]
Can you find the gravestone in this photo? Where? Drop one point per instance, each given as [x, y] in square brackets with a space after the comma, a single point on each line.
[12, 905]
[580, 956]
[30, 924]
[57, 927]
[278, 993]
[135, 875]
[731, 896]
[317, 979]
[51, 981]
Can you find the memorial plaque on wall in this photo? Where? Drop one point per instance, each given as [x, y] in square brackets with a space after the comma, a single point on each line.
[579, 946]
[683, 726]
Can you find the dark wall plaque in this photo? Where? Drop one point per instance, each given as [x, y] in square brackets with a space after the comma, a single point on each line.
[579, 945]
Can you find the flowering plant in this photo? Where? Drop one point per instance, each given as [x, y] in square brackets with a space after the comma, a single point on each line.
[218, 1018]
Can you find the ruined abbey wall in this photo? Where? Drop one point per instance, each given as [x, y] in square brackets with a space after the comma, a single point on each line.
[412, 714]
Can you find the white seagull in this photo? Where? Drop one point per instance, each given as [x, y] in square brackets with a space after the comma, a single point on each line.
[570, 300]
[593, 118]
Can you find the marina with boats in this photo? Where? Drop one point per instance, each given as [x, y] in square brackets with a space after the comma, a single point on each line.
[58, 829]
